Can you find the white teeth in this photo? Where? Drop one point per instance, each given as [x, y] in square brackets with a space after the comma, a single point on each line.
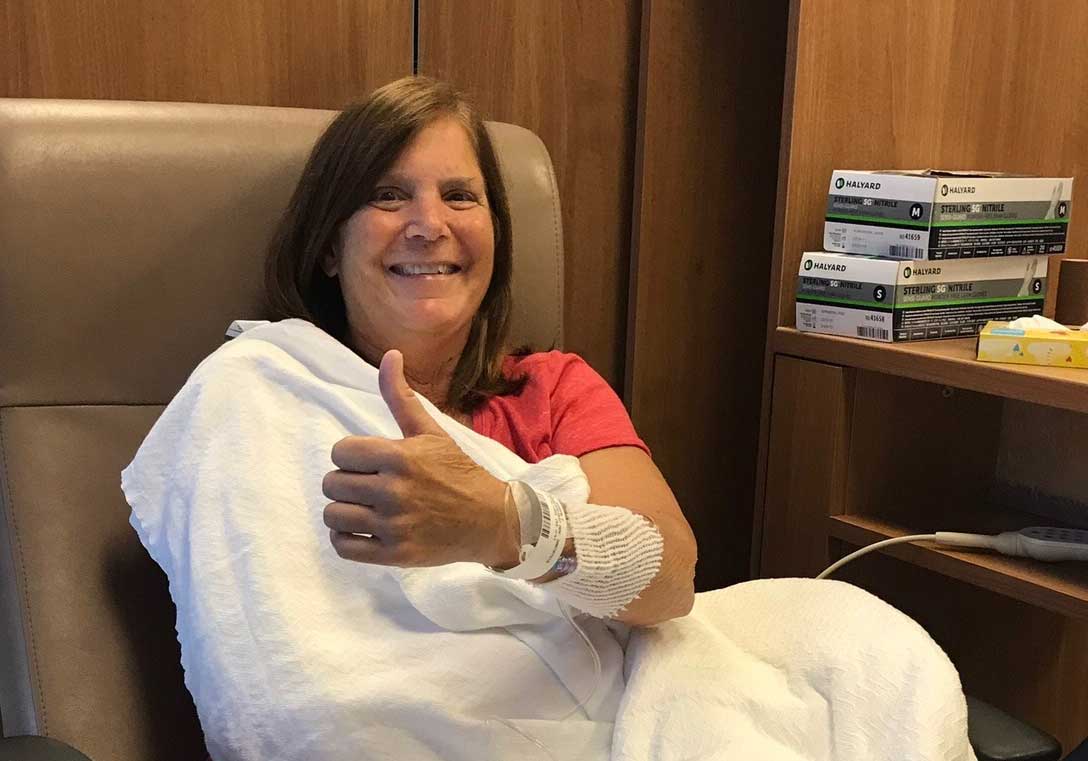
[424, 269]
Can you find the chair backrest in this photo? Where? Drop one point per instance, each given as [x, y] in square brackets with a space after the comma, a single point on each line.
[131, 234]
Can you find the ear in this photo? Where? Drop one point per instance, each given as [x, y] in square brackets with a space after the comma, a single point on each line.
[330, 261]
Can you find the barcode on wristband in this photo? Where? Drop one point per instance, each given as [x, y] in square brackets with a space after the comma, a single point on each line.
[546, 523]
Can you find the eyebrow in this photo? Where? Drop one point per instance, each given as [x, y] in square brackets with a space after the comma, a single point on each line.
[400, 179]
[462, 180]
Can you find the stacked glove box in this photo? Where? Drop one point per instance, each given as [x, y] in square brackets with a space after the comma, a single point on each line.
[918, 255]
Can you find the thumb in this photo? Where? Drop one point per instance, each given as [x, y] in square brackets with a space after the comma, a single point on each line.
[402, 400]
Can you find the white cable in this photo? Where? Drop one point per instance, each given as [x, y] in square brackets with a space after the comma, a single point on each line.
[1038, 542]
[565, 610]
[864, 550]
[526, 735]
[977, 541]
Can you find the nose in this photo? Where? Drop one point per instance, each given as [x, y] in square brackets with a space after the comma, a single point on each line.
[427, 218]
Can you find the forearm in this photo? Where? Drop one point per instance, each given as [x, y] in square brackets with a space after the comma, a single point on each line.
[670, 594]
[626, 476]
[649, 575]
[634, 561]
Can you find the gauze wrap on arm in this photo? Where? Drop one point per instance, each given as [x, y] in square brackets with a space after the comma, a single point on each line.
[619, 553]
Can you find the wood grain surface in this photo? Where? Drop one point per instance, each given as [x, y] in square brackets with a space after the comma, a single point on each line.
[711, 96]
[973, 84]
[917, 459]
[568, 71]
[1041, 459]
[1058, 587]
[810, 441]
[951, 362]
[306, 53]
[919, 449]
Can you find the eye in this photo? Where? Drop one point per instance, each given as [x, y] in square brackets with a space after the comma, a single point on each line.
[387, 198]
[460, 198]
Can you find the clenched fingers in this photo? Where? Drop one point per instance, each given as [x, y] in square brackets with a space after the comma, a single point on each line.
[360, 488]
[358, 533]
[353, 519]
[361, 549]
[368, 454]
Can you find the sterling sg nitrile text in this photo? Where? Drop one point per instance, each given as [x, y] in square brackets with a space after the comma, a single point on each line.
[895, 300]
[933, 215]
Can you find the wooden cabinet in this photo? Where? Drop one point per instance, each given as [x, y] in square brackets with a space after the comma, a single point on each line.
[862, 447]
[806, 468]
[862, 441]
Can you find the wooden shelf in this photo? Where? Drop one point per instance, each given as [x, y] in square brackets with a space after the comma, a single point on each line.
[1061, 587]
[863, 426]
[950, 362]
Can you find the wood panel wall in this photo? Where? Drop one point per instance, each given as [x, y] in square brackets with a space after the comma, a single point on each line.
[973, 84]
[568, 71]
[704, 217]
[306, 53]
[1040, 465]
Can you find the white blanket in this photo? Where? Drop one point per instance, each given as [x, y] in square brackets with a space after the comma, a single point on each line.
[293, 653]
[790, 670]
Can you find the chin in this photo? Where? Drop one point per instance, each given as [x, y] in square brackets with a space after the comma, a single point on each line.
[436, 320]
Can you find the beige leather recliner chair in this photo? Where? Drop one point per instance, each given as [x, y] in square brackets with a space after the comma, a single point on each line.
[131, 234]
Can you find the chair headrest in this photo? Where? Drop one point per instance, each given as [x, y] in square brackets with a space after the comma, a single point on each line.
[133, 233]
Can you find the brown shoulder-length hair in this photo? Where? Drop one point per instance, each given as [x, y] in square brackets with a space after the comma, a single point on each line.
[347, 161]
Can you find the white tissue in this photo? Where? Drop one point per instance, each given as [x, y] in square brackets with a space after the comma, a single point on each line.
[1036, 322]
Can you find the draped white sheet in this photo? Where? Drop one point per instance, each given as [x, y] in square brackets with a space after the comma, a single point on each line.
[293, 653]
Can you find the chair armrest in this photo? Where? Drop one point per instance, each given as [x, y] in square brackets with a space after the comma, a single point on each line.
[30, 748]
[997, 736]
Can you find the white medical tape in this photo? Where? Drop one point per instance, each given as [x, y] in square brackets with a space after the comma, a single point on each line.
[618, 555]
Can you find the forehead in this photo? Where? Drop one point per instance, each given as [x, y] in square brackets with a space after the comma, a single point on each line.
[443, 147]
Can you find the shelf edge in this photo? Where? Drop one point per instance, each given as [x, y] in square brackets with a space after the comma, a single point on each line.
[956, 565]
[1008, 381]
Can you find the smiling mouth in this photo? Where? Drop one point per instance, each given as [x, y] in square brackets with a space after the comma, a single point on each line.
[416, 270]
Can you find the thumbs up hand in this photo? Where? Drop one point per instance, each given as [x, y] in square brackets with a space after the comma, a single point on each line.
[407, 410]
[418, 501]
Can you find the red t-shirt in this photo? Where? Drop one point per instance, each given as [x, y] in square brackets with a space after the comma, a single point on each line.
[565, 408]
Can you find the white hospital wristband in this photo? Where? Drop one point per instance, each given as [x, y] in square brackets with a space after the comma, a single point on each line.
[537, 555]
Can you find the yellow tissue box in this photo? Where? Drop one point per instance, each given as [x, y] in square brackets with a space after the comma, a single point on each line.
[1066, 348]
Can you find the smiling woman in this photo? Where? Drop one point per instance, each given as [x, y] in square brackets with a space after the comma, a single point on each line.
[415, 261]
[397, 243]
[361, 188]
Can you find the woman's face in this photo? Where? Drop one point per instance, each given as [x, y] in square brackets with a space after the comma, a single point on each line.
[416, 260]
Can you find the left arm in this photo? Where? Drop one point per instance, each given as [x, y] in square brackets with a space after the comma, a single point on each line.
[626, 477]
